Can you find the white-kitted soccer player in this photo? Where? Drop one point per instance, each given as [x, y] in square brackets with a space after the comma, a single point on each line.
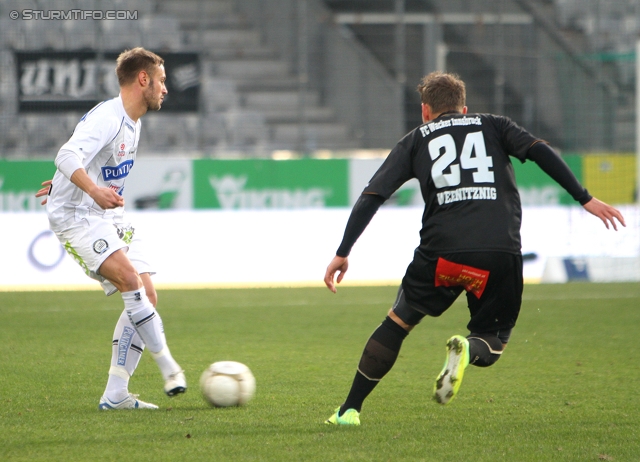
[86, 211]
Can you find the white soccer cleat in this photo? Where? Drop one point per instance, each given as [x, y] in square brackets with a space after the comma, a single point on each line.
[175, 384]
[130, 402]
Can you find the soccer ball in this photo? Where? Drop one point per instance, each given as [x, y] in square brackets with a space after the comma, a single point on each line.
[227, 383]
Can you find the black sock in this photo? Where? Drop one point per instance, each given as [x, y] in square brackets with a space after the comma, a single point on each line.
[378, 357]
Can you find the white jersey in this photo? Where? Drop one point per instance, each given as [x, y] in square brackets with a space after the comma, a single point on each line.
[105, 142]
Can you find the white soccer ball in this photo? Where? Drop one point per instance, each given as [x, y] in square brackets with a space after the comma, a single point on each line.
[227, 383]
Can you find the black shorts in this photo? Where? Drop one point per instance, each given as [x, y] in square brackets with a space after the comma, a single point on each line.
[492, 280]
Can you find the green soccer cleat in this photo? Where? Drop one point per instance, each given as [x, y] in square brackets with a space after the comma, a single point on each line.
[449, 381]
[350, 417]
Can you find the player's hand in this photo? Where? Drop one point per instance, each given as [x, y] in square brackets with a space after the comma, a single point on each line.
[44, 191]
[605, 212]
[339, 264]
[107, 198]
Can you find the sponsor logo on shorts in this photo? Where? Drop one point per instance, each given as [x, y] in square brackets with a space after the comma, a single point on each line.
[117, 171]
[450, 274]
[100, 246]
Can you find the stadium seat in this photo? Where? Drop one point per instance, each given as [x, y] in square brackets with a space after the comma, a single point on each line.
[121, 34]
[214, 131]
[11, 33]
[12, 135]
[230, 38]
[193, 12]
[161, 33]
[246, 128]
[333, 135]
[80, 35]
[44, 133]
[38, 37]
[247, 69]
[219, 95]
[163, 132]
[143, 7]
[7, 6]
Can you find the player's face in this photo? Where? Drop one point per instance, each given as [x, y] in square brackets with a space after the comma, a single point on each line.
[156, 90]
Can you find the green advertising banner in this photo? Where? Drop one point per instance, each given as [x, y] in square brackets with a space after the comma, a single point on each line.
[270, 184]
[285, 184]
[537, 188]
[19, 182]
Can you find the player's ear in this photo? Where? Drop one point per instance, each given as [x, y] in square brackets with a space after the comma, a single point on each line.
[426, 113]
[464, 110]
[143, 78]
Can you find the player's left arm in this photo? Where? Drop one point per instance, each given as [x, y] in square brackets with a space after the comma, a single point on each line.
[44, 191]
[554, 166]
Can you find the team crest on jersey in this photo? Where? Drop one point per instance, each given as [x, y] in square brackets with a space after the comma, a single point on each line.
[122, 152]
[100, 246]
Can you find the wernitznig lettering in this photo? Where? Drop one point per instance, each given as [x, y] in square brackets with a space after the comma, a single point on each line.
[470, 193]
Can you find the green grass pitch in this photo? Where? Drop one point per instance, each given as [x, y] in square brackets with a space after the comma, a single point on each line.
[566, 388]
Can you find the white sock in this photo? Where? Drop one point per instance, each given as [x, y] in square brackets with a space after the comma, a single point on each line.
[148, 324]
[125, 355]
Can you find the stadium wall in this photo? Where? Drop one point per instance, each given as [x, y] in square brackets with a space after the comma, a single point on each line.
[223, 248]
[203, 219]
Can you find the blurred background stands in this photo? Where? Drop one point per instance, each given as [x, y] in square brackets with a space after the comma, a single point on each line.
[308, 75]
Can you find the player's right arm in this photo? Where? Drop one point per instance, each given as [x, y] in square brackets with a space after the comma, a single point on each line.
[338, 265]
[106, 198]
[93, 133]
[393, 173]
[361, 214]
[70, 164]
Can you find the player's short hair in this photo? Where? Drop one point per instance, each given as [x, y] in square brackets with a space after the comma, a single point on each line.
[131, 62]
[442, 92]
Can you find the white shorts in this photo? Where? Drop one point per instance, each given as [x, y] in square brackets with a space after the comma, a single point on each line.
[92, 240]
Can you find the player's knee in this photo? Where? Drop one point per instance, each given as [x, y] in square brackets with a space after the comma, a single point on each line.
[393, 317]
[484, 349]
[126, 279]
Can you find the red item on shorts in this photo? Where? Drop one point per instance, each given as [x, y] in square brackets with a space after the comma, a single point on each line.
[449, 274]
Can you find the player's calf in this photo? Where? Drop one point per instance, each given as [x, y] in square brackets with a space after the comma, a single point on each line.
[484, 349]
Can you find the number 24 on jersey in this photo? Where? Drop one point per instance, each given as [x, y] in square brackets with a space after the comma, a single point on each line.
[481, 162]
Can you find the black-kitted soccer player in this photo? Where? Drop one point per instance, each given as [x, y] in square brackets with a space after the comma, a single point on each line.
[470, 236]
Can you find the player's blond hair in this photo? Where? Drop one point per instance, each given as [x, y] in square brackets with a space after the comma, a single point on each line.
[131, 62]
[442, 92]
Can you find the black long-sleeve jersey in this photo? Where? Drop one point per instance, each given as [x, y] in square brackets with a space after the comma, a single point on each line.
[467, 182]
